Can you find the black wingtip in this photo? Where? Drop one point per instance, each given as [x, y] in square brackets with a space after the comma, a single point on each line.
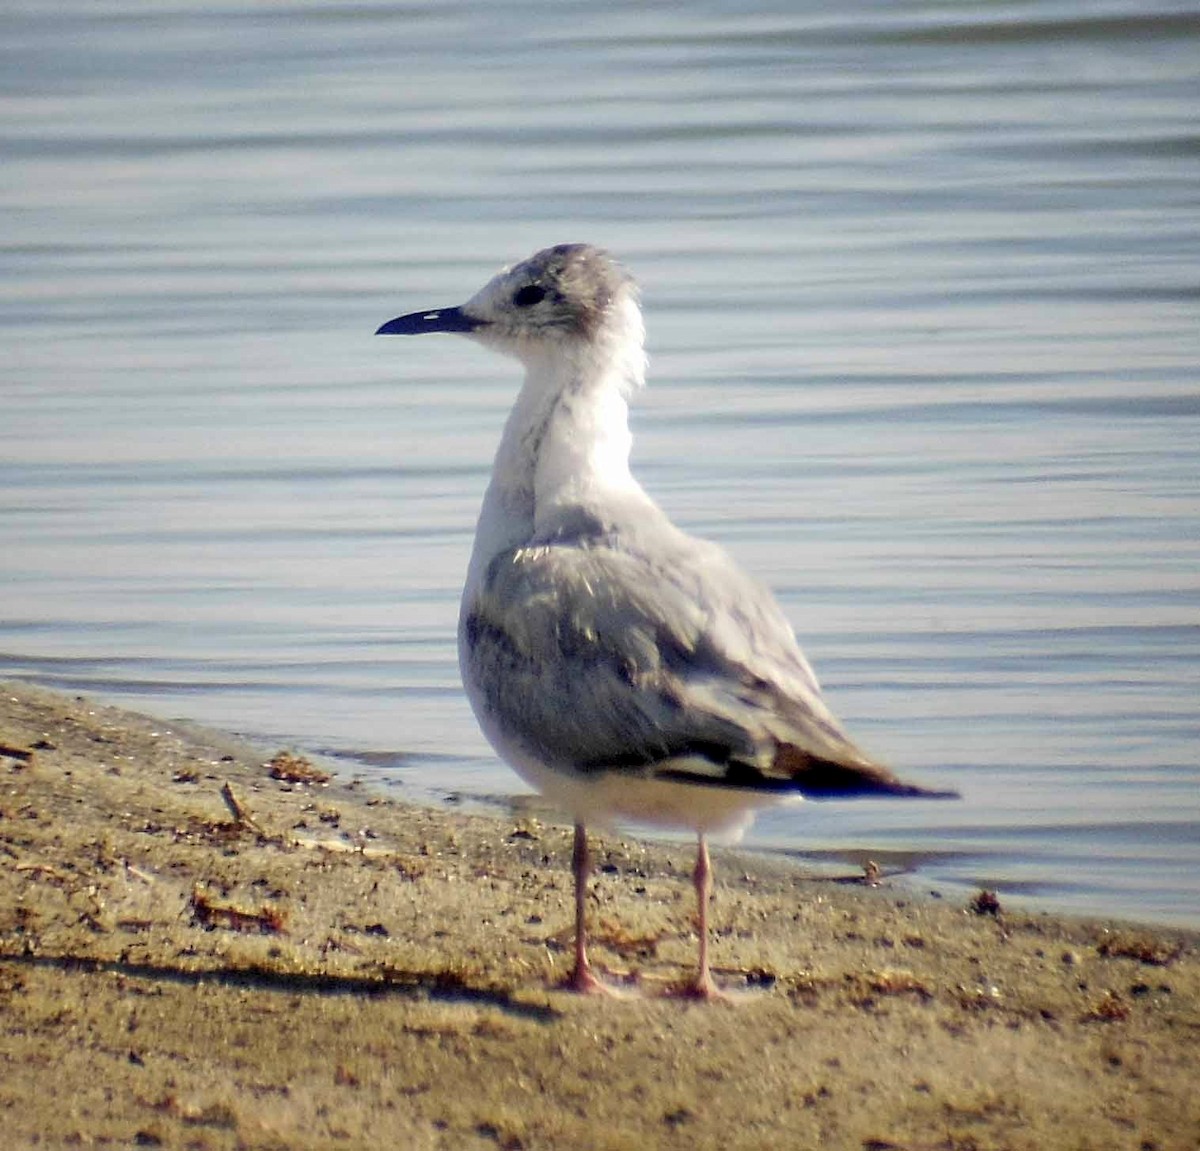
[916, 792]
[836, 785]
[818, 778]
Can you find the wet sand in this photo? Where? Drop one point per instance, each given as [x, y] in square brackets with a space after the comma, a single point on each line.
[194, 954]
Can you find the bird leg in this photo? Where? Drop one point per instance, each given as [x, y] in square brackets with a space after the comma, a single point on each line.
[703, 987]
[582, 979]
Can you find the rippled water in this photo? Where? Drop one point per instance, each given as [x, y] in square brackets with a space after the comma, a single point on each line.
[922, 289]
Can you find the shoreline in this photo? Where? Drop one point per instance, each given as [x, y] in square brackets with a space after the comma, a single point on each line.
[194, 954]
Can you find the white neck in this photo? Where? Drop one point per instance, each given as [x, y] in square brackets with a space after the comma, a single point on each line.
[567, 438]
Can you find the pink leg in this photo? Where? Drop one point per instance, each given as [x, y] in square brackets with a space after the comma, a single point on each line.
[704, 987]
[582, 979]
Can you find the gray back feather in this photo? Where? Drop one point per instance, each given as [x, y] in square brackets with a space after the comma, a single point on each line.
[595, 656]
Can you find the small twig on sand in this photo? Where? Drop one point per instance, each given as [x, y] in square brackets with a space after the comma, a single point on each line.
[267, 920]
[137, 872]
[240, 815]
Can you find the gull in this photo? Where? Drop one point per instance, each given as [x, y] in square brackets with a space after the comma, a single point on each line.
[630, 672]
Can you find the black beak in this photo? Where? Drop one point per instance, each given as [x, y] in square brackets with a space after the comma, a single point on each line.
[438, 320]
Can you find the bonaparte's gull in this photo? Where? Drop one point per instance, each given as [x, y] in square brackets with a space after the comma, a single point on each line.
[628, 671]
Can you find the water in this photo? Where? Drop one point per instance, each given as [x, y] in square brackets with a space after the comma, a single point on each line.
[922, 293]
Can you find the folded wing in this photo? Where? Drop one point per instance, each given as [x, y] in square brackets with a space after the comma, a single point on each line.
[682, 669]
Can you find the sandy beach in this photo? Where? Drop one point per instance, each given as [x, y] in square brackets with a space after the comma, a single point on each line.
[208, 945]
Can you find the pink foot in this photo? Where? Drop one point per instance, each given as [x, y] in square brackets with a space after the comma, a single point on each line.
[702, 989]
[705, 989]
[583, 982]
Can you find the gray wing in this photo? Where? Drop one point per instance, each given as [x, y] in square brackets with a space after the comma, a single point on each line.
[599, 657]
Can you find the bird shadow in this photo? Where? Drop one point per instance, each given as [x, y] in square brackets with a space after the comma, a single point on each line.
[446, 986]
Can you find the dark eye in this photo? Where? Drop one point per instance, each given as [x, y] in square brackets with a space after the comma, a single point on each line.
[529, 295]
